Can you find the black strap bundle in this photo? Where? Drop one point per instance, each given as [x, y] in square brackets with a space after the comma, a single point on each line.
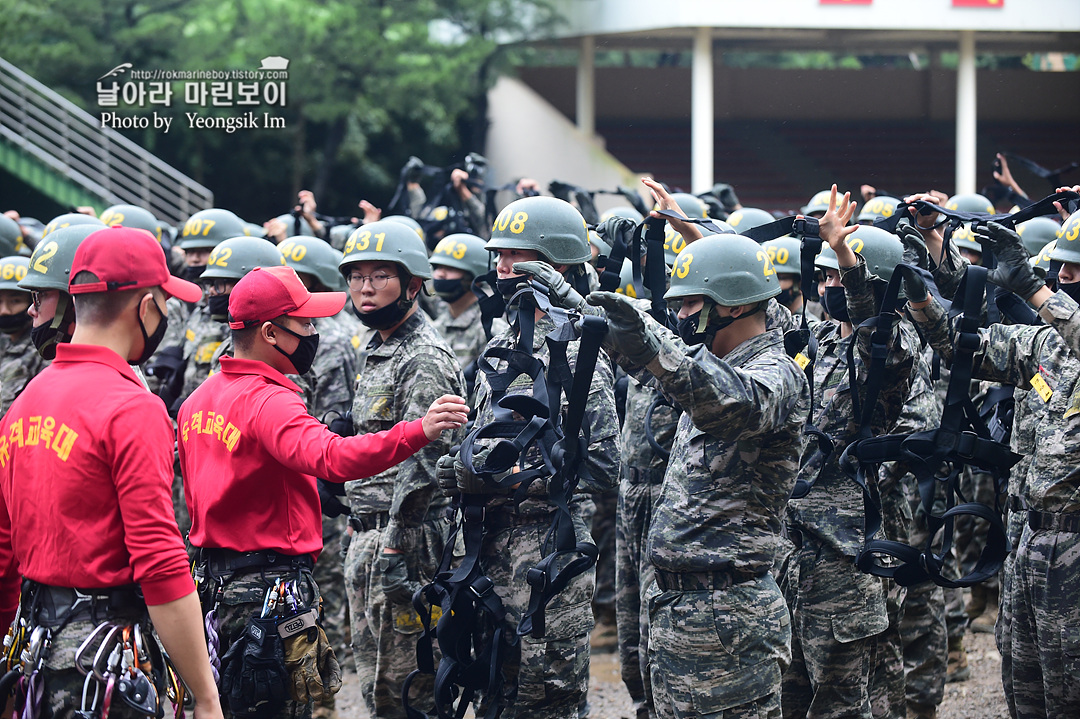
[961, 440]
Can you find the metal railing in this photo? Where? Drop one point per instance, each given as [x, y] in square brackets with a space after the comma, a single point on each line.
[72, 142]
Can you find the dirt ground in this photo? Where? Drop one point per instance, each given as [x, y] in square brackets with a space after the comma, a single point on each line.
[980, 697]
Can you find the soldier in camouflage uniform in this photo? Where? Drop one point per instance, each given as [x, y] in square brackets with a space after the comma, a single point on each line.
[719, 631]
[398, 518]
[19, 359]
[840, 614]
[550, 675]
[1041, 607]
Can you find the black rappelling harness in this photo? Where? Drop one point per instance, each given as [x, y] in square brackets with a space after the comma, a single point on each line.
[473, 635]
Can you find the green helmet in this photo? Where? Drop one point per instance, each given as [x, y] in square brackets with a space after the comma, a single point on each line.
[132, 216]
[965, 239]
[411, 223]
[1041, 259]
[691, 205]
[206, 228]
[970, 203]
[291, 223]
[728, 269]
[622, 211]
[1068, 241]
[1036, 233]
[748, 218]
[50, 265]
[389, 241]
[882, 251]
[13, 269]
[820, 202]
[549, 226]
[786, 254]
[462, 251]
[235, 257]
[70, 219]
[314, 257]
[10, 236]
[673, 245]
[877, 207]
[603, 249]
[626, 282]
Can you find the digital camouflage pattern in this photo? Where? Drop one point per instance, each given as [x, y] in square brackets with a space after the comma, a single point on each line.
[396, 380]
[19, 363]
[464, 333]
[202, 337]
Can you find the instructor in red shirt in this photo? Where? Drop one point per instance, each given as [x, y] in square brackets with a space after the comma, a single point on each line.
[250, 454]
[85, 501]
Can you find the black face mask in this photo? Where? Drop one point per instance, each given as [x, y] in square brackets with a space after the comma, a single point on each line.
[386, 317]
[687, 329]
[1072, 289]
[835, 302]
[9, 324]
[192, 274]
[45, 337]
[449, 290]
[509, 287]
[304, 354]
[151, 342]
[786, 297]
[219, 307]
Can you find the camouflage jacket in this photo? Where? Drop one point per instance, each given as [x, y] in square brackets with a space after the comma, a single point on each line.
[202, 337]
[179, 313]
[832, 513]
[601, 421]
[398, 380]
[464, 333]
[19, 363]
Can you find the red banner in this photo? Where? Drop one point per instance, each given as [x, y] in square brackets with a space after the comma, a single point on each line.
[845, 2]
[979, 3]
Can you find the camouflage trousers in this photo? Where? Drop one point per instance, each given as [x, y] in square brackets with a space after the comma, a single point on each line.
[721, 652]
[1041, 629]
[384, 634]
[550, 679]
[603, 536]
[838, 614]
[887, 659]
[1014, 529]
[330, 576]
[633, 575]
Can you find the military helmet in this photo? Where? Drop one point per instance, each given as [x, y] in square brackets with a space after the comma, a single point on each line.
[626, 282]
[294, 226]
[411, 223]
[314, 257]
[622, 211]
[786, 254]
[820, 202]
[691, 205]
[50, 265]
[10, 236]
[882, 251]
[1068, 241]
[462, 251]
[728, 269]
[549, 226]
[881, 206]
[1036, 233]
[389, 241]
[748, 218]
[603, 249]
[132, 216]
[965, 239]
[970, 202]
[235, 257]
[673, 245]
[1041, 259]
[13, 269]
[206, 228]
[69, 219]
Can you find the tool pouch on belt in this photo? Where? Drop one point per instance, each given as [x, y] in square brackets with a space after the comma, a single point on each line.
[253, 673]
[314, 671]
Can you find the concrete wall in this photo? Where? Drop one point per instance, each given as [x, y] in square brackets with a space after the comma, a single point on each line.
[873, 94]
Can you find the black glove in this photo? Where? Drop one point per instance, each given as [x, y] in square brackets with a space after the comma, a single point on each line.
[342, 425]
[559, 291]
[613, 227]
[254, 679]
[328, 498]
[470, 483]
[446, 474]
[629, 336]
[915, 252]
[395, 579]
[1013, 271]
[914, 286]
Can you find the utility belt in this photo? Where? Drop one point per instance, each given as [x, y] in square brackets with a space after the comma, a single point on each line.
[369, 521]
[224, 563]
[646, 475]
[52, 607]
[703, 581]
[1053, 521]
[500, 518]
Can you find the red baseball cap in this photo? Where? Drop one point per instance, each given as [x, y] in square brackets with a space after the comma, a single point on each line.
[269, 292]
[126, 258]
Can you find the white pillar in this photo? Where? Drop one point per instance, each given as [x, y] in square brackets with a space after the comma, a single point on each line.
[966, 120]
[586, 86]
[701, 112]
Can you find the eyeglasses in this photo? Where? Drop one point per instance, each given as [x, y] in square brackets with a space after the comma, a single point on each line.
[37, 298]
[220, 287]
[378, 280]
